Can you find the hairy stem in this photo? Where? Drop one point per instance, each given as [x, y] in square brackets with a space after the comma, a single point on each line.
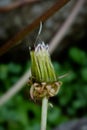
[44, 113]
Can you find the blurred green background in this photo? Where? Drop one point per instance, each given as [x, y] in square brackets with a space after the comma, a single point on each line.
[20, 113]
[71, 102]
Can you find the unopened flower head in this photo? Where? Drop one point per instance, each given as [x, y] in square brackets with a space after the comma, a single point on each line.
[42, 69]
[43, 77]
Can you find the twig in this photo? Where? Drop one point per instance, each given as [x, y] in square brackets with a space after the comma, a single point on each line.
[15, 5]
[18, 86]
[15, 88]
[44, 113]
[20, 35]
[62, 32]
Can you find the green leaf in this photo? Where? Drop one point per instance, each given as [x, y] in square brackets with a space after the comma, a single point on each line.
[84, 74]
[54, 115]
[77, 55]
[14, 68]
[3, 72]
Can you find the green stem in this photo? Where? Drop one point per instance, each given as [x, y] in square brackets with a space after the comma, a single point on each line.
[44, 113]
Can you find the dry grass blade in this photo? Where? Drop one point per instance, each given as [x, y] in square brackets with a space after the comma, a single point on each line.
[20, 35]
[62, 32]
[22, 81]
[16, 4]
[19, 85]
[15, 88]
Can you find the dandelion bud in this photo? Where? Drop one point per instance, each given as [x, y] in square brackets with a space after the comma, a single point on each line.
[42, 69]
[43, 76]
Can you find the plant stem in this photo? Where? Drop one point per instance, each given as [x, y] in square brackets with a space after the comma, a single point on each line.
[44, 113]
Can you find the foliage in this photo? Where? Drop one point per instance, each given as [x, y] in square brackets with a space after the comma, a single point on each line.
[21, 113]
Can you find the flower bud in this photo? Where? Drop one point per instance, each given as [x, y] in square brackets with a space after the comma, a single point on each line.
[43, 77]
[42, 69]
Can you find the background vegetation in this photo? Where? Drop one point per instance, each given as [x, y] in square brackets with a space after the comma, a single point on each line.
[71, 102]
[71, 56]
